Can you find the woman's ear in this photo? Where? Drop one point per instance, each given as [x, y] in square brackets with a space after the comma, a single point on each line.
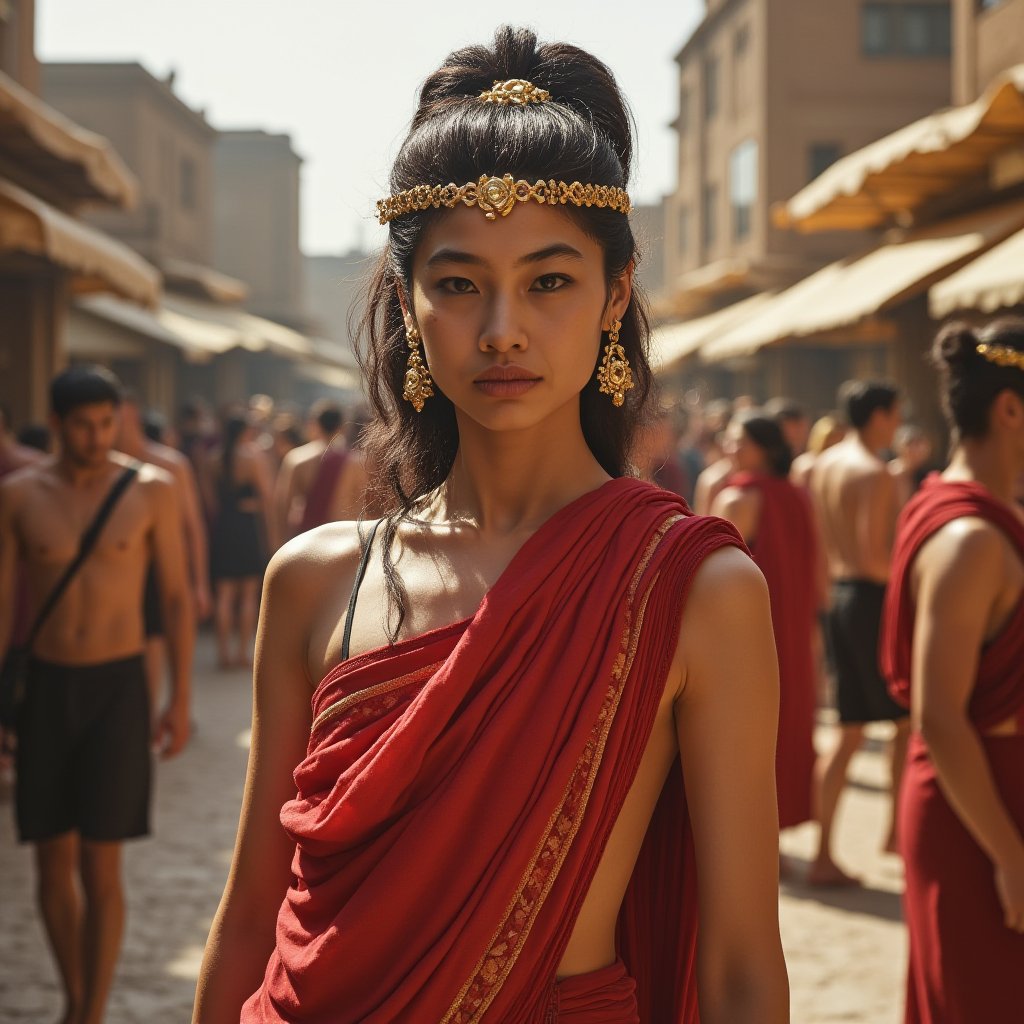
[403, 301]
[620, 292]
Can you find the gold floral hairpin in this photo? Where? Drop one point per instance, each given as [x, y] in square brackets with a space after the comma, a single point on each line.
[517, 92]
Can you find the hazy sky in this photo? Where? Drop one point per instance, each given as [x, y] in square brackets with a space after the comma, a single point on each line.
[341, 77]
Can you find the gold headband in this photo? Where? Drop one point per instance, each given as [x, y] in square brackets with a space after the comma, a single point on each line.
[515, 92]
[493, 195]
[1001, 355]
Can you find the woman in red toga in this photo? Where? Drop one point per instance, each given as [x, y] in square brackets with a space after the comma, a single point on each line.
[493, 695]
[952, 648]
[775, 519]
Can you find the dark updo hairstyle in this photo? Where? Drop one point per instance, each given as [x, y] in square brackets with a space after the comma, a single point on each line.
[764, 430]
[969, 381]
[583, 133]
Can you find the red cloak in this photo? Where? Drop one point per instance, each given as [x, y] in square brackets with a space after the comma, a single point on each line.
[965, 963]
[321, 490]
[459, 789]
[786, 551]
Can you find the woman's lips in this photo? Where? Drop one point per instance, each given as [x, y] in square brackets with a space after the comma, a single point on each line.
[506, 381]
[511, 388]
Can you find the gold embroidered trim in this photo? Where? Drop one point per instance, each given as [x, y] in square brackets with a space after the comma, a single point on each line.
[507, 942]
[341, 706]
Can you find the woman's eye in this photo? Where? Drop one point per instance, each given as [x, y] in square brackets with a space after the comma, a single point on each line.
[457, 285]
[551, 282]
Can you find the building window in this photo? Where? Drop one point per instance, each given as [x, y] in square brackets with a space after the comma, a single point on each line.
[742, 187]
[187, 184]
[683, 241]
[710, 87]
[820, 157]
[906, 30]
[684, 112]
[708, 223]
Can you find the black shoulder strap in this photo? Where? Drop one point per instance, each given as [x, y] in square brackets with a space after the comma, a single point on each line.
[360, 573]
[85, 546]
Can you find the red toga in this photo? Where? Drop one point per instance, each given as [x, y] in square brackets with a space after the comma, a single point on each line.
[459, 788]
[786, 551]
[321, 491]
[965, 963]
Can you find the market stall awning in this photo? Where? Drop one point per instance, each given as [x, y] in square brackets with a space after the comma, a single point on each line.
[672, 343]
[141, 322]
[992, 282]
[203, 281]
[44, 145]
[852, 290]
[331, 376]
[97, 262]
[897, 175]
[226, 327]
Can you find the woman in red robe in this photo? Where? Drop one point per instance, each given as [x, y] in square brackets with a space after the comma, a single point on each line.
[952, 648]
[540, 746]
[775, 519]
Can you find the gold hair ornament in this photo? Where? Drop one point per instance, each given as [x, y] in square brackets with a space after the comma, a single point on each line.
[493, 196]
[418, 383]
[1001, 355]
[614, 374]
[515, 92]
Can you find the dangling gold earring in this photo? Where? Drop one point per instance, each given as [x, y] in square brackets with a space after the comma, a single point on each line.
[418, 384]
[614, 374]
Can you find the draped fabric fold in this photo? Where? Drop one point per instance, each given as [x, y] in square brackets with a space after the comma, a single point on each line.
[786, 551]
[964, 963]
[459, 788]
[999, 691]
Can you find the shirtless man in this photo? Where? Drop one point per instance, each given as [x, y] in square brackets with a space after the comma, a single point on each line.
[134, 443]
[856, 499]
[12, 454]
[303, 466]
[84, 739]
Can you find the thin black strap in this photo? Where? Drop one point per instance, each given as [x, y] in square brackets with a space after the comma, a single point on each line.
[360, 573]
[85, 546]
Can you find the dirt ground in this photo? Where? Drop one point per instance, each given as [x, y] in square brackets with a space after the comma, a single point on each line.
[846, 949]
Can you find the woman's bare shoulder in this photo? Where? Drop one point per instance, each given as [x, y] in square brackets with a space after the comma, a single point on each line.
[325, 557]
[726, 615]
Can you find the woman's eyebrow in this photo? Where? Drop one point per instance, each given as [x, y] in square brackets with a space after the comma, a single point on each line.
[558, 249]
[563, 249]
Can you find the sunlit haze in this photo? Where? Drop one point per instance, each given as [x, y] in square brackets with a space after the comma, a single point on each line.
[341, 78]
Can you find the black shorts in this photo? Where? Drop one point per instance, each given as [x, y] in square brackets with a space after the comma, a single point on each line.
[854, 622]
[83, 760]
[152, 611]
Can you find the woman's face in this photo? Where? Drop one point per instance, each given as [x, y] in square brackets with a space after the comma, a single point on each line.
[747, 456]
[511, 312]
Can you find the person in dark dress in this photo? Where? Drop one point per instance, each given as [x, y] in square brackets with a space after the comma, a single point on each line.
[237, 491]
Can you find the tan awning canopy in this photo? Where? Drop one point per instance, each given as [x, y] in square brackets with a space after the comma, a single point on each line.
[205, 282]
[991, 282]
[44, 144]
[673, 343]
[218, 328]
[139, 321]
[97, 262]
[332, 376]
[897, 175]
[850, 291]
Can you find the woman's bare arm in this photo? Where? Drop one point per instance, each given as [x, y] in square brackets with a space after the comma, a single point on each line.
[727, 711]
[959, 574]
[242, 937]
